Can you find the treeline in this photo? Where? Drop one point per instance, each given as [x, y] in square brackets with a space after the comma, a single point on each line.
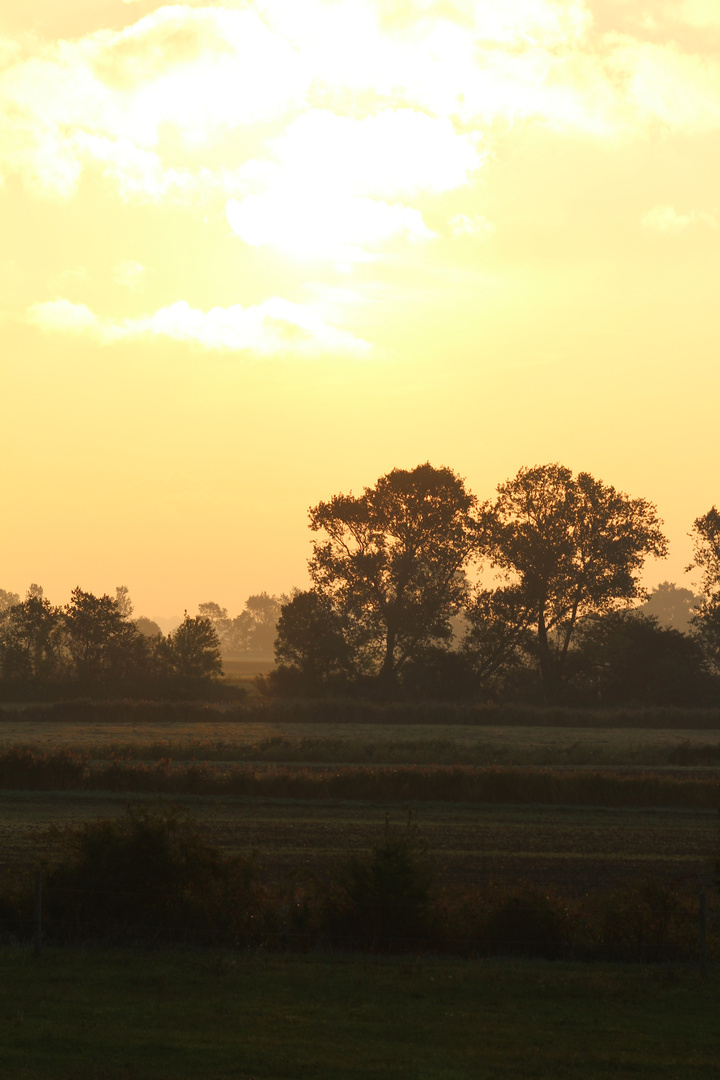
[420, 592]
[401, 606]
[92, 646]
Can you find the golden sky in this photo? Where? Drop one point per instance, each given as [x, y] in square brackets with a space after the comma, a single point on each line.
[256, 253]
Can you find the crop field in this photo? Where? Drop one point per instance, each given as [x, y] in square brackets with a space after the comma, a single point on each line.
[344, 743]
[569, 843]
[570, 849]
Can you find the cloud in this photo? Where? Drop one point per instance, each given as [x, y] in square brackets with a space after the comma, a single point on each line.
[474, 225]
[384, 106]
[663, 83]
[666, 219]
[395, 151]
[320, 198]
[321, 224]
[130, 274]
[276, 327]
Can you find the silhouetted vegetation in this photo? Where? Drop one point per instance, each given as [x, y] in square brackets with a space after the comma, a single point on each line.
[93, 647]
[151, 877]
[393, 615]
[27, 769]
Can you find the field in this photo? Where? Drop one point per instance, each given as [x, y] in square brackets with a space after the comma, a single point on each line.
[219, 1015]
[571, 847]
[347, 743]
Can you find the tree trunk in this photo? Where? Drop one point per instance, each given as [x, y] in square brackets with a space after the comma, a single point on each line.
[387, 675]
[548, 670]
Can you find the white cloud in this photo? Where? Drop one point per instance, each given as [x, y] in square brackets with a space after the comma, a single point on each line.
[666, 219]
[130, 274]
[318, 193]
[274, 327]
[662, 83]
[473, 225]
[530, 22]
[420, 91]
[321, 224]
[64, 316]
[395, 151]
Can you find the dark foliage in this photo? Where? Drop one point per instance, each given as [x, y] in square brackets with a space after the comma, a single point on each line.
[381, 902]
[150, 876]
[625, 658]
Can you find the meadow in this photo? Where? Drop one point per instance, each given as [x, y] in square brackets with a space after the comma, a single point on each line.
[224, 739]
[215, 1015]
[571, 811]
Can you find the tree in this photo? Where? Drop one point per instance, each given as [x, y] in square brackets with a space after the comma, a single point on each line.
[123, 602]
[311, 647]
[569, 546]
[31, 640]
[104, 645]
[672, 606]
[627, 658]
[193, 651]
[218, 616]
[392, 564]
[8, 599]
[706, 557]
[706, 552]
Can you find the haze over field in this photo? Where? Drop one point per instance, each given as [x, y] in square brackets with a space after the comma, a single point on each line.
[257, 253]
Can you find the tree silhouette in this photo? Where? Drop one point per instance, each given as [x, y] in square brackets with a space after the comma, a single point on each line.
[627, 658]
[311, 648]
[706, 557]
[569, 546]
[32, 640]
[392, 564]
[104, 645]
[193, 651]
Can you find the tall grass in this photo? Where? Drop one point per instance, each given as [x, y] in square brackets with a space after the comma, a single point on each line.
[334, 711]
[23, 768]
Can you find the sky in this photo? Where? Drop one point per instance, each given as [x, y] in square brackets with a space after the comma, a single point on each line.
[254, 254]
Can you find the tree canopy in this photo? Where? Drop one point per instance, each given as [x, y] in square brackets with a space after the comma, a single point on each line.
[569, 546]
[390, 563]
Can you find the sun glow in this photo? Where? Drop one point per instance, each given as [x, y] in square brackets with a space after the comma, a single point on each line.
[508, 212]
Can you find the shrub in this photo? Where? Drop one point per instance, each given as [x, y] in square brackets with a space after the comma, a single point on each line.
[149, 876]
[527, 923]
[381, 902]
[646, 923]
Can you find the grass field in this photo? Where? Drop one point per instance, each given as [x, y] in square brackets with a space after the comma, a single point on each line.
[574, 850]
[216, 1016]
[371, 744]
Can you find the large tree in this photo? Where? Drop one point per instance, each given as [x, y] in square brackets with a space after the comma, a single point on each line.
[391, 563]
[706, 557]
[105, 646]
[31, 640]
[568, 546]
[193, 651]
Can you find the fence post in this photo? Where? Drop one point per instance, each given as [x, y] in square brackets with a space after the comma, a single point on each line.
[703, 938]
[38, 912]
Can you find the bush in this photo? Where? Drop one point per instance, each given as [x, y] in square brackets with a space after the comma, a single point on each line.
[647, 923]
[149, 876]
[527, 923]
[381, 902]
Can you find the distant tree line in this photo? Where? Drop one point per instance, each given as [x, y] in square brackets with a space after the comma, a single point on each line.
[418, 590]
[251, 634]
[92, 646]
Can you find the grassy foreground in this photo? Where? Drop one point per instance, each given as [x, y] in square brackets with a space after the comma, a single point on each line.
[221, 1015]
